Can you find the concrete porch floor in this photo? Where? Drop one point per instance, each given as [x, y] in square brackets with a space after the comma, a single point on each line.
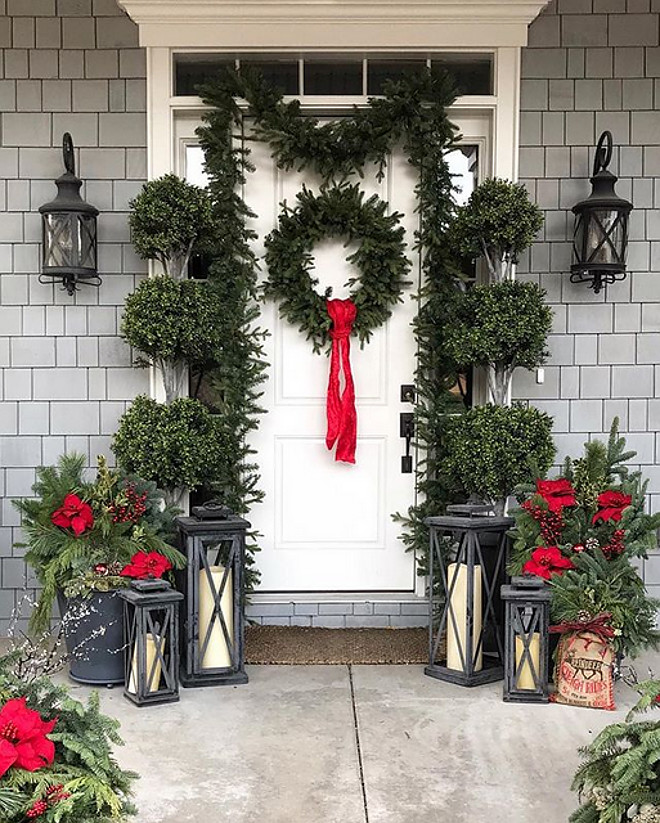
[286, 748]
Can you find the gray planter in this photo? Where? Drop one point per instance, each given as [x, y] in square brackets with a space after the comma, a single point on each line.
[94, 635]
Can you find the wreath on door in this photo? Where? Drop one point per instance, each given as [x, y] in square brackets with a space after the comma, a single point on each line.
[382, 265]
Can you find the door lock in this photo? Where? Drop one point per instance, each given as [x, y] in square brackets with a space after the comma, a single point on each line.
[407, 393]
[407, 431]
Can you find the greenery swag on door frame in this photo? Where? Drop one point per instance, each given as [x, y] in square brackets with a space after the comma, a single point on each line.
[412, 112]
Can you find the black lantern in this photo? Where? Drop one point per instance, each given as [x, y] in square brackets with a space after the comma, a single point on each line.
[600, 237]
[151, 642]
[466, 570]
[69, 231]
[213, 584]
[527, 609]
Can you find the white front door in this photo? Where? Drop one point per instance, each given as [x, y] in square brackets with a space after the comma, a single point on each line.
[327, 526]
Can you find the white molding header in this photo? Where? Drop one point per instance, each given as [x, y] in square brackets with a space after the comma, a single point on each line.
[333, 25]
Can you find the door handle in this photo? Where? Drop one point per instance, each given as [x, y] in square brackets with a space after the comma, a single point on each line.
[407, 431]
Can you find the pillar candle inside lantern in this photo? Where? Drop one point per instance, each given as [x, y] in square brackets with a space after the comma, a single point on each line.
[459, 606]
[150, 648]
[525, 679]
[217, 654]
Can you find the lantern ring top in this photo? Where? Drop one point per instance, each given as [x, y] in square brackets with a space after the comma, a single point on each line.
[67, 153]
[603, 152]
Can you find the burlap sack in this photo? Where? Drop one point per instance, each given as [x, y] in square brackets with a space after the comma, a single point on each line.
[583, 675]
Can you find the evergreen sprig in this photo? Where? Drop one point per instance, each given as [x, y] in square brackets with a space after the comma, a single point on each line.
[619, 778]
[85, 765]
[380, 260]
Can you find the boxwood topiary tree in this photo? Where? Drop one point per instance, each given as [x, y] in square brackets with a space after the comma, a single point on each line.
[178, 446]
[170, 219]
[497, 223]
[489, 450]
[174, 324]
[501, 326]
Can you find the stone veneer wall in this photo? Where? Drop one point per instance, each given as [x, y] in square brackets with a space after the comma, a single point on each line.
[594, 65]
[65, 65]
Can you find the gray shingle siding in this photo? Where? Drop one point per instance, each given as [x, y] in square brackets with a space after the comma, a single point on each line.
[66, 375]
[590, 66]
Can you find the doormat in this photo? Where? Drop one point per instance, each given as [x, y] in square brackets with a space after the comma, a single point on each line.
[304, 645]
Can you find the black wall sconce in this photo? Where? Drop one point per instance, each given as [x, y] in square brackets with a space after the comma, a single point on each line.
[69, 231]
[600, 238]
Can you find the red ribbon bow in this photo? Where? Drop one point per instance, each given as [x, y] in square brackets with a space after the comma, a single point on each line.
[598, 625]
[340, 407]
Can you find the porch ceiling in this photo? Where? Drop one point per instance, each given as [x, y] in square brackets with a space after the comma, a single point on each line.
[334, 25]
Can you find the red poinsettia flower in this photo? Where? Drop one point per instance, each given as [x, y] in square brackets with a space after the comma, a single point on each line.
[74, 514]
[546, 561]
[23, 741]
[144, 565]
[556, 493]
[611, 505]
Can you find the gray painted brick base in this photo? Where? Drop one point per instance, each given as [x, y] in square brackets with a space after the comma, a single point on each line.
[340, 614]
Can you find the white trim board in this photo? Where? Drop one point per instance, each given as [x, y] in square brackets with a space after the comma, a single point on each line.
[332, 24]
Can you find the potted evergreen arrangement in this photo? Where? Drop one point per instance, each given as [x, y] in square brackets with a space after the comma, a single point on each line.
[500, 326]
[619, 778]
[582, 532]
[56, 753]
[81, 540]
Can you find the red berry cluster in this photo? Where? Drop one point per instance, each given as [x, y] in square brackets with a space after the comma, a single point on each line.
[550, 523]
[132, 510]
[616, 546]
[53, 795]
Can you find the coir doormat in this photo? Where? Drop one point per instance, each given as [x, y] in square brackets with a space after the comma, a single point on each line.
[302, 645]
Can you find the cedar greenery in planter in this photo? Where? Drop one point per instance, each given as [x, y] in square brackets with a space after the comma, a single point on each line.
[79, 535]
[497, 223]
[488, 450]
[170, 219]
[173, 324]
[180, 445]
[502, 327]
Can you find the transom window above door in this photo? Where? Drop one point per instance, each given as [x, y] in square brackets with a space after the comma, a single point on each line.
[347, 75]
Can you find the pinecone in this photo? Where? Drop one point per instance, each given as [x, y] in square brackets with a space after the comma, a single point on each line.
[648, 813]
[592, 543]
[601, 798]
[583, 616]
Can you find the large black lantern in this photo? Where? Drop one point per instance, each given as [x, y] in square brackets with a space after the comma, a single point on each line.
[151, 642]
[527, 610]
[600, 237]
[69, 231]
[466, 570]
[213, 585]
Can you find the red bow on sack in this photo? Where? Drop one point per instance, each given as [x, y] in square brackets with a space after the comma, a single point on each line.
[598, 625]
[340, 407]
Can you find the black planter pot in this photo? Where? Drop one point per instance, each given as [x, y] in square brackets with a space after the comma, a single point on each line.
[94, 635]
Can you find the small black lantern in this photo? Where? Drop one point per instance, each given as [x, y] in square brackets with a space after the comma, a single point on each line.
[151, 642]
[69, 231]
[213, 583]
[600, 238]
[527, 620]
[464, 595]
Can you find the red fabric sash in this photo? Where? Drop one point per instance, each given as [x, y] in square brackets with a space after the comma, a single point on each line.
[340, 408]
[598, 625]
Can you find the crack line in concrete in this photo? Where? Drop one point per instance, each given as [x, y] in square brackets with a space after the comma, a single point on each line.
[356, 726]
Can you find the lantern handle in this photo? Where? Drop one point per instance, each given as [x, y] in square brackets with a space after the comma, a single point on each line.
[67, 153]
[603, 152]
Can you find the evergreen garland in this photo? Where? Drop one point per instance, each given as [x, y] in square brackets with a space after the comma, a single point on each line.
[412, 111]
[380, 259]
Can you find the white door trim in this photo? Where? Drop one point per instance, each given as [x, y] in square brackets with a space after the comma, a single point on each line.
[332, 24]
